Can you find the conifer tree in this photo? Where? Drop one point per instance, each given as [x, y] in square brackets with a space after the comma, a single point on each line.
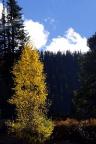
[12, 38]
[2, 31]
[85, 98]
[15, 31]
[12, 35]
[31, 95]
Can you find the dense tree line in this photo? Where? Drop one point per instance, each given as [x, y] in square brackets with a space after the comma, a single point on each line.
[70, 76]
[71, 80]
[85, 96]
[62, 72]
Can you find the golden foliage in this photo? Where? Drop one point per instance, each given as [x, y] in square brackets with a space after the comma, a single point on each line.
[31, 93]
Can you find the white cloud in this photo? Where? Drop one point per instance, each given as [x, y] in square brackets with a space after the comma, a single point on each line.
[38, 34]
[1, 8]
[71, 41]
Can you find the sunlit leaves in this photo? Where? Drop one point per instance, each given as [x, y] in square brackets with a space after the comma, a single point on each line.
[31, 94]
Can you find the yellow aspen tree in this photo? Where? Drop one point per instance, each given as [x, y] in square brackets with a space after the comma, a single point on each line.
[30, 96]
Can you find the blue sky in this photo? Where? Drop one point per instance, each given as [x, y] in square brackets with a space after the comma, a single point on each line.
[59, 24]
[78, 14]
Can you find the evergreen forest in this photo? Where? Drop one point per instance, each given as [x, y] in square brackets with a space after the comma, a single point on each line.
[45, 97]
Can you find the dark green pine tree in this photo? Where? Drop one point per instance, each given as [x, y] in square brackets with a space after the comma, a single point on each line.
[85, 97]
[15, 32]
[62, 79]
[12, 39]
[2, 31]
[12, 35]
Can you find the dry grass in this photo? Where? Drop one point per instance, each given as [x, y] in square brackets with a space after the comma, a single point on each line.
[70, 122]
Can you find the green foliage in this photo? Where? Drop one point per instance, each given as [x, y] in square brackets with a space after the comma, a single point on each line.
[15, 31]
[62, 79]
[85, 97]
[12, 35]
[12, 39]
[31, 96]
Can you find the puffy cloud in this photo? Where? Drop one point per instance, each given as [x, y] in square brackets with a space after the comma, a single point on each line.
[71, 41]
[1, 8]
[38, 34]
